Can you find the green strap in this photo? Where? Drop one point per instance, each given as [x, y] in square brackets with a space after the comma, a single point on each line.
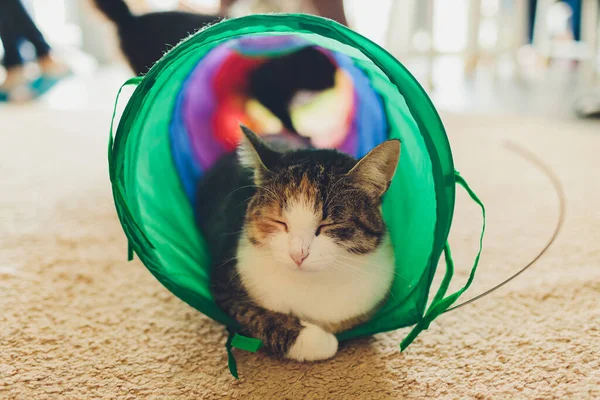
[242, 343]
[440, 303]
[246, 343]
[131, 81]
[447, 276]
[129, 250]
[116, 187]
[230, 357]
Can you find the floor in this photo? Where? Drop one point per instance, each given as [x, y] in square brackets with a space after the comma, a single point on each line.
[78, 321]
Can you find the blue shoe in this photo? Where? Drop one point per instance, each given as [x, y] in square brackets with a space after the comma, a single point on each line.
[31, 90]
[43, 84]
[48, 80]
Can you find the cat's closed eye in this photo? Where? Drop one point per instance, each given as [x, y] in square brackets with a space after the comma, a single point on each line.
[280, 223]
[326, 226]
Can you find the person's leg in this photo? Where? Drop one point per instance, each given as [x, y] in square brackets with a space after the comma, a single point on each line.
[10, 40]
[17, 25]
[11, 37]
[48, 64]
[28, 29]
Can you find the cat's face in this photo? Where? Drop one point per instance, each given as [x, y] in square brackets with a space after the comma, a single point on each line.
[313, 208]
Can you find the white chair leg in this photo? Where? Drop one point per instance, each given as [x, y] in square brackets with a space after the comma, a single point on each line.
[542, 42]
[401, 28]
[431, 50]
[589, 35]
[472, 50]
[521, 18]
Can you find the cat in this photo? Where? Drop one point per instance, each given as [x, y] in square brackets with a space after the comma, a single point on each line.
[275, 83]
[299, 246]
[146, 38]
[278, 82]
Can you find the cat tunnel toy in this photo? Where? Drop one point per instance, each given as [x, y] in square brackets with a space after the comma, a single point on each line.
[185, 113]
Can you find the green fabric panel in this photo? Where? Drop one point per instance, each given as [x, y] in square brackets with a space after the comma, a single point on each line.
[159, 202]
[418, 207]
[409, 210]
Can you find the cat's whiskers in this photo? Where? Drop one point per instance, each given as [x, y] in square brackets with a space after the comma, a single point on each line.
[348, 267]
[343, 268]
[251, 198]
[235, 274]
[357, 271]
[365, 271]
[370, 264]
[236, 258]
[233, 233]
[238, 189]
[355, 268]
[270, 192]
[275, 195]
[390, 270]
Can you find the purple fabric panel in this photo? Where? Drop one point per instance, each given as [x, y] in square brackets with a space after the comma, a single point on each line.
[199, 106]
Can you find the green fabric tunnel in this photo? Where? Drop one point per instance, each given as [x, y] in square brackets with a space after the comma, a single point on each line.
[149, 170]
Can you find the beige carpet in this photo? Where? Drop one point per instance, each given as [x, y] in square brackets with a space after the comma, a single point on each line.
[77, 321]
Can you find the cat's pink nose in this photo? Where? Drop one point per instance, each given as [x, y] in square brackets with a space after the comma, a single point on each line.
[299, 248]
[298, 257]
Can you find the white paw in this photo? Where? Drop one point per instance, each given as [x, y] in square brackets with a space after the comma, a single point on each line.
[313, 344]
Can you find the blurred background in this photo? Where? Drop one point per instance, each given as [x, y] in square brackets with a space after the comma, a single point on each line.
[517, 56]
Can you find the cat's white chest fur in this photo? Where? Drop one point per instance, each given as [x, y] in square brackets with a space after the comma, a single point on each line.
[352, 286]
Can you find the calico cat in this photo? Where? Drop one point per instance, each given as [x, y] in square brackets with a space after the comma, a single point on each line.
[299, 245]
[275, 84]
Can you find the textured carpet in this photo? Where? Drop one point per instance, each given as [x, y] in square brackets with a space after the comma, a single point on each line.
[77, 321]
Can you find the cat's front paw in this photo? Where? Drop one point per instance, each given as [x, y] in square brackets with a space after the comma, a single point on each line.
[313, 344]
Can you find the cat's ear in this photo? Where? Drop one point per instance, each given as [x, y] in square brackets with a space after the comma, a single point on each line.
[256, 155]
[374, 172]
